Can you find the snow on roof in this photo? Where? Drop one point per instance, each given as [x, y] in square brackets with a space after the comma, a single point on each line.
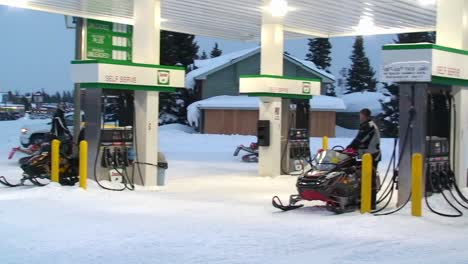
[312, 66]
[327, 103]
[357, 101]
[317, 103]
[205, 67]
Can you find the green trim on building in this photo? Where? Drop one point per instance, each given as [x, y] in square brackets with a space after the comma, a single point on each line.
[287, 96]
[127, 63]
[128, 87]
[424, 46]
[449, 81]
[281, 77]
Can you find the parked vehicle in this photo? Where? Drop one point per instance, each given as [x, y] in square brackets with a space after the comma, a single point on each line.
[34, 134]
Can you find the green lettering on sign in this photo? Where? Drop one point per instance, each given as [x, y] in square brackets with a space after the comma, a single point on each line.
[107, 40]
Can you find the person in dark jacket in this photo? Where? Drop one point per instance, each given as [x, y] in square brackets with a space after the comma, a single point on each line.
[59, 127]
[368, 141]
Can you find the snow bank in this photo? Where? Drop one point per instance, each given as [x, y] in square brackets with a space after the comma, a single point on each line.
[317, 103]
[327, 103]
[357, 101]
[341, 132]
[176, 128]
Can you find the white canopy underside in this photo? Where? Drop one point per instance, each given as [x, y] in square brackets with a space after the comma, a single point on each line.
[241, 19]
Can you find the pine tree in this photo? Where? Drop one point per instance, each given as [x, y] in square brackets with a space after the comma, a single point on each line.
[361, 75]
[319, 53]
[331, 90]
[176, 49]
[416, 37]
[390, 118]
[216, 52]
[204, 56]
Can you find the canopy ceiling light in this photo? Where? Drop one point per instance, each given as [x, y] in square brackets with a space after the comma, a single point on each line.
[366, 26]
[427, 2]
[278, 8]
[17, 3]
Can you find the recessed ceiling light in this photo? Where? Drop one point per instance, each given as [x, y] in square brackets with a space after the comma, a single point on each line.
[427, 2]
[278, 8]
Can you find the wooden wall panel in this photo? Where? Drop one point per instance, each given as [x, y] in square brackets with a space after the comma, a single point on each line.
[230, 122]
[322, 124]
[244, 122]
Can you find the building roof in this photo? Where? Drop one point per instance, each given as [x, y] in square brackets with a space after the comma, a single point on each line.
[317, 103]
[241, 102]
[241, 19]
[208, 66]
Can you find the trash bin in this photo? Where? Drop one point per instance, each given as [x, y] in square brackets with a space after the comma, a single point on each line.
[162, 167]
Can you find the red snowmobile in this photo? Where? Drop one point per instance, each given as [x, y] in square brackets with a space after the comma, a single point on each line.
[252, 151]
[335, 179]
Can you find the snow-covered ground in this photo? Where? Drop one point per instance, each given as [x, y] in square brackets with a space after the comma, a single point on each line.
[213, 210]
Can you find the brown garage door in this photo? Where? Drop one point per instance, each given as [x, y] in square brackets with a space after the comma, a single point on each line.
[322, 124]
[230, 122]
[244, 122]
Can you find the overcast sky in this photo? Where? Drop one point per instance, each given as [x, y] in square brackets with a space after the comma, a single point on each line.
[36, 50]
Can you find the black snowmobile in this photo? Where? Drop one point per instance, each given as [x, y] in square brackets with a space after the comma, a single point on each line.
[36, 168]
[335, 179]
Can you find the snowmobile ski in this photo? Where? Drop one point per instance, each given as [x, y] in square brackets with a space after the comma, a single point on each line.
[276, 202]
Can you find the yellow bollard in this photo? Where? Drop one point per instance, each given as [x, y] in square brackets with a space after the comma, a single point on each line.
[83, 164]
[55, 162]
[325, 143]
[366, 183]
[416, 184]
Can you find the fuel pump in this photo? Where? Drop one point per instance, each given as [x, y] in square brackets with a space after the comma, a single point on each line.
[425, 127]
[109, 131]
[296, 149]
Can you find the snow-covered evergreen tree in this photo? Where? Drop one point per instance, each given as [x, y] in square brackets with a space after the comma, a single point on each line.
[331, 90]
[416, 37]
[319, 53]
[361, 75]
[390, 117]
[176, 49]
[204, 56]
[216, 52]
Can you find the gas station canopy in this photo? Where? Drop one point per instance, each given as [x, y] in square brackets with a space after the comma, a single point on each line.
[242, 19]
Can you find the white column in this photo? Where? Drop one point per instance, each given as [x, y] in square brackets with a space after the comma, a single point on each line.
[271, 108]
[146, 46]
[452, 31]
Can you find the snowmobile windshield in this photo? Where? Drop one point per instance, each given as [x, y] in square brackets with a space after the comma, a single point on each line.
[328, 159]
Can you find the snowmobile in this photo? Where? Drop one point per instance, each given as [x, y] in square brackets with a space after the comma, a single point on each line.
[252, 151]
[335, 179]
[36, 168]
[32, 150]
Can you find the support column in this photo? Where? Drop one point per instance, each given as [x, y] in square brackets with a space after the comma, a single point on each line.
[273, 109]
[452, 31]
[146, 49]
